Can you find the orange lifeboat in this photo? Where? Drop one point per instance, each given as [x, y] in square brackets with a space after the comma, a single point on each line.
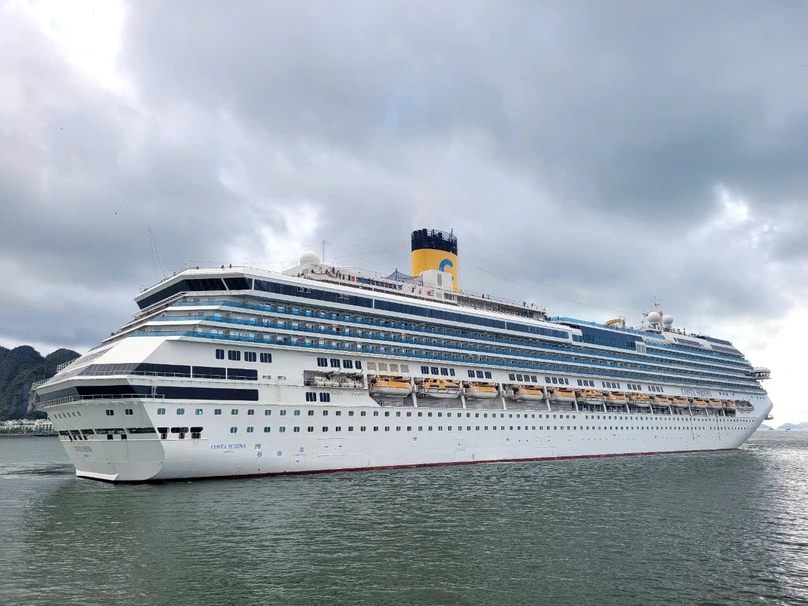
[439, 388]
[390, 386]
[480, 391]
[562, 396]
[527, 393]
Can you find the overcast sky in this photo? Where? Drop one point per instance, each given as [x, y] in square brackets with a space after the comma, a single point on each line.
[589, 155]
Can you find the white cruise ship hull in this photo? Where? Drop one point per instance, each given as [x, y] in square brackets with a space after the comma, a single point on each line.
[389, 441]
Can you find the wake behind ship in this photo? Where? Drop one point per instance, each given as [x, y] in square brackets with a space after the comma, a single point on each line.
[240, 372]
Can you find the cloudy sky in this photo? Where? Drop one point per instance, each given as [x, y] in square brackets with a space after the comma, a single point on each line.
[589, 155]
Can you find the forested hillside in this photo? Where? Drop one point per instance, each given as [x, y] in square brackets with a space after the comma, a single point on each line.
[19, 368]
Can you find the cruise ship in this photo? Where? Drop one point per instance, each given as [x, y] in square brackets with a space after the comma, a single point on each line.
[232, 371]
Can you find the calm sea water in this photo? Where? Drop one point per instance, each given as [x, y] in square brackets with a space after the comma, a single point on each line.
[684, 529]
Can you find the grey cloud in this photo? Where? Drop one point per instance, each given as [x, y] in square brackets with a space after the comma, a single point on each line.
[574, 147]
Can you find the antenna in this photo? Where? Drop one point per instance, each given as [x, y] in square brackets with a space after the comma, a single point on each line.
[323, 243]
[156, 255]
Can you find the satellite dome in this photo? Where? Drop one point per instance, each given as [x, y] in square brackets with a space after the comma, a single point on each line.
[667, 321]
[654, 318]
[309, 258]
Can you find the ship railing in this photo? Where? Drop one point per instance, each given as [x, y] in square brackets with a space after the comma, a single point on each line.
[392, 325]
[402, 326]
[64, 365]
[523, 305]
[466, 346]
[70, 399]
[140, 373]
[346, 347]
[636, 331]
[349, 346]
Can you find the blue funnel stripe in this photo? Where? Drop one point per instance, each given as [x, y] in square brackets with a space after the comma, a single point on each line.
[444, 264]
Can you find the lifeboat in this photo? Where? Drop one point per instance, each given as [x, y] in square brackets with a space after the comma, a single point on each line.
[639, 399]
[480, 391]
[711, 403]
[679, 402]
[590, 396]
[390, 386]
[698, 403]
[744, 404]
[616, 399]
[525, 393]
[730, 405]
[562, 396]
[439, 388]
[660, 400]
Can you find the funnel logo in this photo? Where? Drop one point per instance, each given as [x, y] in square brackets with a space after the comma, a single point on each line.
[444, 264]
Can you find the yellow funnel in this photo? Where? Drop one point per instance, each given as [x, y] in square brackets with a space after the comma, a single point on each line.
[433, 249]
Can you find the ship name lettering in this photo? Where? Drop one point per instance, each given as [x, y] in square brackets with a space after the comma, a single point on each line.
[695, 392]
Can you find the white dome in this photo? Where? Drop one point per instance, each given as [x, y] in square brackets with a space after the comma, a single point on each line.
[309, 258]
[667, 321]
[654, 318]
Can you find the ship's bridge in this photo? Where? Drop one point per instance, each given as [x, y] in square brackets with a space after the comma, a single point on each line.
[761, 372]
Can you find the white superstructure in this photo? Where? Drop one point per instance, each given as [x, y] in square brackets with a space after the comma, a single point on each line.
[235, 372]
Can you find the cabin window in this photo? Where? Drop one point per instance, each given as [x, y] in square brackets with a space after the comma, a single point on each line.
[220, 354]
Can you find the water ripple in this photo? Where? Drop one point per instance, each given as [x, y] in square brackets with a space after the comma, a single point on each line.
[692, 529]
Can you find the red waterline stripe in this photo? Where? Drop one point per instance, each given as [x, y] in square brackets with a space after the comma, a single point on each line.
[410, 466]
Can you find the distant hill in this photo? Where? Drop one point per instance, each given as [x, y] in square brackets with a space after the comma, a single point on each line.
[803, 425]
[19, 368]
[764, 426]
